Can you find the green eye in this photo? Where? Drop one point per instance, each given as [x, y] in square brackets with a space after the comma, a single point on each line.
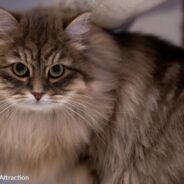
[20, 70]
[56, 71]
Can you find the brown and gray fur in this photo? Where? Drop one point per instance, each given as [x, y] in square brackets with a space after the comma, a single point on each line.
[116, 116]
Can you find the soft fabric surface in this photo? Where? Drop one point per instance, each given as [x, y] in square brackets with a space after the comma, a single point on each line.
[112, 13]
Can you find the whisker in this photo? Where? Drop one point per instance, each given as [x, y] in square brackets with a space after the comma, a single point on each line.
[86, 120]
[7, 108]
[85, 109]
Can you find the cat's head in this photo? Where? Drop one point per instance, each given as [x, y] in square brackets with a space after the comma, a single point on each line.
[57, 81]
[46, 63]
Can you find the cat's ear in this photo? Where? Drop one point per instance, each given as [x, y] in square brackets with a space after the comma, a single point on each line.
[8, 23]
[78, 29]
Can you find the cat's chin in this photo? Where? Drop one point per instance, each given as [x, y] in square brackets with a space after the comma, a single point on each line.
[36, 106]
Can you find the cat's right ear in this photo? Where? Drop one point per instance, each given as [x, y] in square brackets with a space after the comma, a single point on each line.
[79, 29]
[8, 24]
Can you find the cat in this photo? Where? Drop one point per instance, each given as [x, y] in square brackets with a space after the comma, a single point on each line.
[80, 104]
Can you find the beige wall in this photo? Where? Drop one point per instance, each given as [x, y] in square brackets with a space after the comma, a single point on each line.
[164, 21]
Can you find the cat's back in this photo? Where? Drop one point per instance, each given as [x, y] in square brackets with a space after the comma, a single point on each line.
[162, 60]
[149, 111]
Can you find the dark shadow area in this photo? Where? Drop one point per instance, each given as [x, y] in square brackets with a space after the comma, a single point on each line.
[166, 6]
[183, 23]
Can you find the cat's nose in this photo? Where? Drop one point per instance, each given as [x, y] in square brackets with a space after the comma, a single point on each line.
[37, 95]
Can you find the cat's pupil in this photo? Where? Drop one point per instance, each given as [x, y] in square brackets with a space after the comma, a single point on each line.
[56, 69]
[20, 68]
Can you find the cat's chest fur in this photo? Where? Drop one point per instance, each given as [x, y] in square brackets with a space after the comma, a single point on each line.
[36, 152]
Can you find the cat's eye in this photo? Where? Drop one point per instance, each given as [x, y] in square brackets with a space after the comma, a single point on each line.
[20, 69]
[56, 71]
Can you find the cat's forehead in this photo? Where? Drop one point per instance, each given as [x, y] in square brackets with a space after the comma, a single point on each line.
[41, 25]
[41, 38]
[48, 54]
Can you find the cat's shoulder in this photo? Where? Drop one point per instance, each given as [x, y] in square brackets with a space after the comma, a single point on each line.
[151, 45]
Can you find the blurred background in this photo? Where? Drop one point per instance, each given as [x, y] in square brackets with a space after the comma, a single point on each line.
[165, 20]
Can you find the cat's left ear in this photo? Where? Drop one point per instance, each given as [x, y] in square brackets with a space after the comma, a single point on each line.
[78, 30]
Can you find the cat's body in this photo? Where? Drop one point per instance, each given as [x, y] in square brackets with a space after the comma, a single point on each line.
[144, 142]
[115, 114]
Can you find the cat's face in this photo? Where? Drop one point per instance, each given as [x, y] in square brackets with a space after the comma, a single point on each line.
[39, 71]
[42, 79]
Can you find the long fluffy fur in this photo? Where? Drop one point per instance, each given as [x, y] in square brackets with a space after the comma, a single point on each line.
[121, 120]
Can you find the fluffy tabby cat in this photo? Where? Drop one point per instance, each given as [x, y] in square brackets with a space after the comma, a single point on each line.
[80, 104]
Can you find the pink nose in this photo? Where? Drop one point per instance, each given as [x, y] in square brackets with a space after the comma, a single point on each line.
[38, 96]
